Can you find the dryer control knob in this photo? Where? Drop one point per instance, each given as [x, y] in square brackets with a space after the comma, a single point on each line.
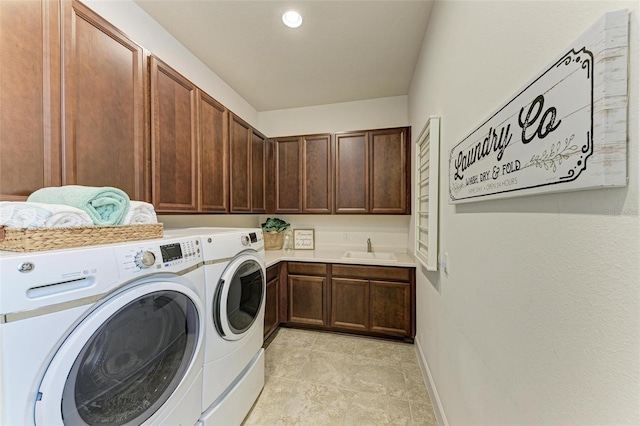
[245, 240]
[144, 259]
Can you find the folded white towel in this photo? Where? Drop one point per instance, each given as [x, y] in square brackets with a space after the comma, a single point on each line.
[38, 215]
[140, 213]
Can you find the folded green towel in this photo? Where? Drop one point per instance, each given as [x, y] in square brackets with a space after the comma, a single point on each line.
[105, 206]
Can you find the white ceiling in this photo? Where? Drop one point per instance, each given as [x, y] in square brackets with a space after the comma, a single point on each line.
[344, 50]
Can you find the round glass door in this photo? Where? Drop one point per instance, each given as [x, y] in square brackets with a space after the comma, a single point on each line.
[239, 297]
[133, 362]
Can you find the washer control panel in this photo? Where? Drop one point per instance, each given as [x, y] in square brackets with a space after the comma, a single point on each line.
[172, 256]
[250, 238]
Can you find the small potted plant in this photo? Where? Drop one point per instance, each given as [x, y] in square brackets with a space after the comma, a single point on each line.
[273, 230]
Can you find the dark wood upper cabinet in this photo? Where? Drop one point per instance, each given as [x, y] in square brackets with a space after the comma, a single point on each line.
[240, 177]
[373, 172]
[258, 172]
[303, 174]
[352, 173]
[87, 107]
[390, 190]
[248, 163]
[99, 98]
[30, 95]
[173, 139]
[317, 172]
[103, 104]
[288, 175]
[214, 154]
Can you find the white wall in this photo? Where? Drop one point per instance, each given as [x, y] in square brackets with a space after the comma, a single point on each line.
[350, 232]
[141, 28]
[358, 115]
[538, 320]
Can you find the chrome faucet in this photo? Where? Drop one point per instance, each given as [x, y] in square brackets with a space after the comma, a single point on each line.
[369, 250]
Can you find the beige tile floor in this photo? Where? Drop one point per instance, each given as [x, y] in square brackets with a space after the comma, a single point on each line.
[318, 378]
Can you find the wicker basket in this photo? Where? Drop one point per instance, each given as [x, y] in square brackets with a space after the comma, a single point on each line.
[273, 240]
[39, 239]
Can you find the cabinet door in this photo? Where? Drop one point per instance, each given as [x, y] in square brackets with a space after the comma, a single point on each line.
[350, 303]
[316, 174]
[30, 96]
[104, 130]
[390, 309]
[258, 172]
[389, 167]
[173, 139]
[214, 154]
[288, 175]
[272, 299]
[352, 173]
[306, 299]
[240, 176]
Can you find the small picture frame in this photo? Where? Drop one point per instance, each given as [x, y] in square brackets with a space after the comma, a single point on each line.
[303, 239]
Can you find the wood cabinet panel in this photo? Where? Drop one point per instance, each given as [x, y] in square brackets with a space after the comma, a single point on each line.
[352, 173]
[350, 303]
[372, 172]
[272, 298]
[372, 272]
[370, 300]
[173, 139]
[258, 172]
[317, 189]
[390, 305]
[307, 268]
[30, 122]
[288, 175]
[389, 176]
[273, 272]
[104, 104]
[307, 299]
[303, 174]
[214, 154]
[239, 142]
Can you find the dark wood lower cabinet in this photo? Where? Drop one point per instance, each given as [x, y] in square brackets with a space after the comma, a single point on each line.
[306, 299]
[350, 303]
[390, 307]
[375, 306]
[272, 299]
[369, 300]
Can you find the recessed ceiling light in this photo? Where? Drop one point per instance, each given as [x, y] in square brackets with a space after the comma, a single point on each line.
[292, 19]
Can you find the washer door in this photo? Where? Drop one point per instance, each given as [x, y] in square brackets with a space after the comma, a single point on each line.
[239, 296]
[125, 359]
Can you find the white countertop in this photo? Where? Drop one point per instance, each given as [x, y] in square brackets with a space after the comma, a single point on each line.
[333, 256]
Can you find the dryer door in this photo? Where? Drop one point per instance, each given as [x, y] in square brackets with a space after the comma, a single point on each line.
[239, 297]
[124, 360]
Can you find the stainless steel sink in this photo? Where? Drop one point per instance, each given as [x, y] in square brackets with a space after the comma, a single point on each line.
[378, 255]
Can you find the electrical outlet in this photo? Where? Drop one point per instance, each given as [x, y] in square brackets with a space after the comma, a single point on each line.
[445, 263]
[345, 236]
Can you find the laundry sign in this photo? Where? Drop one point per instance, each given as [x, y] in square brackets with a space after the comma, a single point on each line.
[565, 130]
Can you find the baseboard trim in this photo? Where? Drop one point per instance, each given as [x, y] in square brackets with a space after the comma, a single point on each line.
[431, 387]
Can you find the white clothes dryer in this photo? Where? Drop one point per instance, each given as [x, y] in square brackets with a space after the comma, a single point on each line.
[235, 277]
[110, 334]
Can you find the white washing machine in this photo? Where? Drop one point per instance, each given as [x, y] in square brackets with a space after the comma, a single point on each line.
[111, 334]
[233, 372]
